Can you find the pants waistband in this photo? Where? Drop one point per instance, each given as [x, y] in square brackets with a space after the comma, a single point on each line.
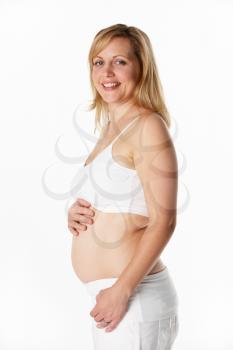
[94, 286]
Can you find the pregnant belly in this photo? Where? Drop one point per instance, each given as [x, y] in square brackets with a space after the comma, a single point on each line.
[107, 246]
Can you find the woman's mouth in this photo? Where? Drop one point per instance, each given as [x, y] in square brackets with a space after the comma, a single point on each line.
[110, 86]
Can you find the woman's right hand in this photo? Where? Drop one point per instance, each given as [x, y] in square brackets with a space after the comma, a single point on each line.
[80, 214]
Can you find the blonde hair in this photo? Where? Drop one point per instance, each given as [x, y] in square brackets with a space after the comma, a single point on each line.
[148, 92]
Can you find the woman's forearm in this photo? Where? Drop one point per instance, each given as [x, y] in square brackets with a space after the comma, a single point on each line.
[148, 251]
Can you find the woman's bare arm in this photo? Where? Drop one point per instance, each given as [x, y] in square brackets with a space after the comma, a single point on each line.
[156, 164]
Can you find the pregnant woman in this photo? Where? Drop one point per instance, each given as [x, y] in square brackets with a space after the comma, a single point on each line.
[125, 212]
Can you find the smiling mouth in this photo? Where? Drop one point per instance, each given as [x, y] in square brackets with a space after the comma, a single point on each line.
[111, 86]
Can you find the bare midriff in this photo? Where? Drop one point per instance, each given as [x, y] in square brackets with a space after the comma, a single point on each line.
[107, 246]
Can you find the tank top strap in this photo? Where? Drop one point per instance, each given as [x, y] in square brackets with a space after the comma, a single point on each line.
[124, 129]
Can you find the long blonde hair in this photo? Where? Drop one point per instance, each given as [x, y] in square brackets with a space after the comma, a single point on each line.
[148, 92]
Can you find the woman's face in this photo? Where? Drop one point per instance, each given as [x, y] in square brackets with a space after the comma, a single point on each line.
[117, 66]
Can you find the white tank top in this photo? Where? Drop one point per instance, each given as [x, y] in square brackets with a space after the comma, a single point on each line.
[111, 187]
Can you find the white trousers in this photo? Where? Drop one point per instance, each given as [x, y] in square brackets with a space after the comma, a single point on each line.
[151, 321]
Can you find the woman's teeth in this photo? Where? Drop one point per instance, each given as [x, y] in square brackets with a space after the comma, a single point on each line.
[110, 86]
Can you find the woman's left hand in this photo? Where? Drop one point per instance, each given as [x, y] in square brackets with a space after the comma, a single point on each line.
[111, 306]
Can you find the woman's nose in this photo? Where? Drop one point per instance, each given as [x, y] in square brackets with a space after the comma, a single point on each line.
[108, 69]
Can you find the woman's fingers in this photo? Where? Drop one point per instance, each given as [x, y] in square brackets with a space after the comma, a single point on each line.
[79, 226]
[82, 218]
[84, 211]
[78, 208]
[83, 202]
[75, 228]
[79, 215]
[73, 231]
[102, 324]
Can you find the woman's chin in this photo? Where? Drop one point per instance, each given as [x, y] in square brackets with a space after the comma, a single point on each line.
[111, 99]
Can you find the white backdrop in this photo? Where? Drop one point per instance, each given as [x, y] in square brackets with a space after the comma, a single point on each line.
[43, 78]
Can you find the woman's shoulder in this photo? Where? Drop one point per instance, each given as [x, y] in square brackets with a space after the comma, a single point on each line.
[150, 128]
[151, 118]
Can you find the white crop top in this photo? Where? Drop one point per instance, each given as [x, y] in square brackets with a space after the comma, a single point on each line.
[111, 187]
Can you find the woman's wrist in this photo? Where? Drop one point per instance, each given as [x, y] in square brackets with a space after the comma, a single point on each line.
[124, 289]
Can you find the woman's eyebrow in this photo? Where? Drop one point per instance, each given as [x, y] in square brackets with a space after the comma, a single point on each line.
[114, 56]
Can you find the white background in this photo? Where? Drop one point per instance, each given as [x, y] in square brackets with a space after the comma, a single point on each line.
[43, 78]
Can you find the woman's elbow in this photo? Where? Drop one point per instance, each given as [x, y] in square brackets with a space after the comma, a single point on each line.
[166, 224]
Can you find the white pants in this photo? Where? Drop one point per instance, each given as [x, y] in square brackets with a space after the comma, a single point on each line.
[151, 321]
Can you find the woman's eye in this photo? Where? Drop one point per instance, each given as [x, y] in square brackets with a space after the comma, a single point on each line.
[96, 63]
[121, 61]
